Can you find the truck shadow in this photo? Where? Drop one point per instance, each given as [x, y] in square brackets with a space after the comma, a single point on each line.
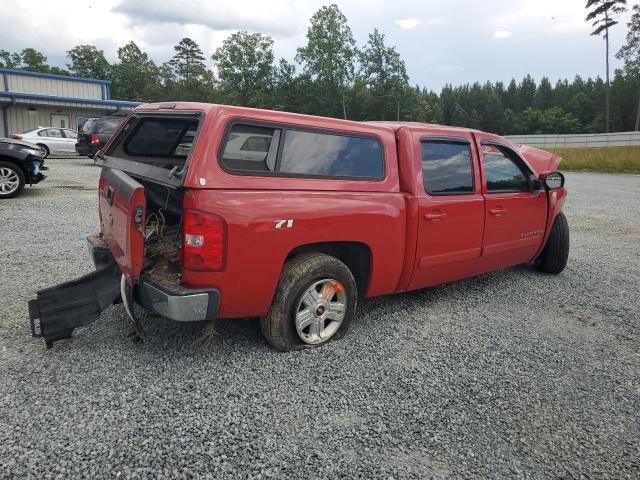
[239, 334]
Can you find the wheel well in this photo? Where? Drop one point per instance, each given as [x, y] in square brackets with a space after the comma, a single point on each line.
[355, 255]
[15, 162]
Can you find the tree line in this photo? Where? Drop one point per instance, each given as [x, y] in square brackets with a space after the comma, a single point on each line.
[333, 76]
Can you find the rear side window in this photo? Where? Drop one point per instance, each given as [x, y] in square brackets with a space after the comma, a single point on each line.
[247, 148]
[320, 154]
[162, 137]
[446, 168]
[54, 133]
[261, 149]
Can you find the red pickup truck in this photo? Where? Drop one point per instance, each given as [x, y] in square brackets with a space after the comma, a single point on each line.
[212, 211]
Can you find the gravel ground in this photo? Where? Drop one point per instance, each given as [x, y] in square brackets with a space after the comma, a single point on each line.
[513, 374]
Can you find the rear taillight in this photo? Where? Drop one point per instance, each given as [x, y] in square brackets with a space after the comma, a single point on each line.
[17, 137]
[204, 241]
[95, 140]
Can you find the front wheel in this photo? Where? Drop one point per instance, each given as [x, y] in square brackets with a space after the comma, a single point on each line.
[12, 180]
[314, 304]
[553, 258]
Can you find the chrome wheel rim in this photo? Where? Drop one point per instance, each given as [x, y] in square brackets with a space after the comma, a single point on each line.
[320, 311]
[9, 181]
[43, 149]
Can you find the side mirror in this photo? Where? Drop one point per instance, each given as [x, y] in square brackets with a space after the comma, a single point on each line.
[553, 180]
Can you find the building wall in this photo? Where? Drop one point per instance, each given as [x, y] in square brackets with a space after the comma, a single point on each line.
[22, 118]
[20, 83]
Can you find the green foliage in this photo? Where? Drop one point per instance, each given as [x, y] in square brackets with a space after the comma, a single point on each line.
[29, 59]
[329, 59]
[34, 61]
[191, 80]
[187, 62]
[603, 13]
[89, 62]
[630, 54]
[245, 69]
[247, 74]
[10, 60]
[630, 51]
[135, 77]
[384, 74]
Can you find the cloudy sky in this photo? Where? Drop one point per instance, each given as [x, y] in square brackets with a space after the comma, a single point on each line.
[441, 41]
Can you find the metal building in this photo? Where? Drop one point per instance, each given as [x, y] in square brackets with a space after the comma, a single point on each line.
[29, 100]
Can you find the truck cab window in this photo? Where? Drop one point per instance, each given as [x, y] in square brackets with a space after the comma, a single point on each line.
[247, 147]
[331, 155]
[503, 171]
[446, 168]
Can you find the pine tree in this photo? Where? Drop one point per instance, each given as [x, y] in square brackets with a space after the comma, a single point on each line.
[630, 53]
[603, 14]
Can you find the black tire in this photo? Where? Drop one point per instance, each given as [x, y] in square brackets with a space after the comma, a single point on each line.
[298, 276]
[44, 149]
[553, 258]
[11, 169]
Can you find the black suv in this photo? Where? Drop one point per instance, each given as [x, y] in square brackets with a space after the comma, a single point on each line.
[95, 133]
[20, 163]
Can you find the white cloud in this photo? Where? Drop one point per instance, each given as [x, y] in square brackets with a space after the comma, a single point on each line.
[408, 23]
[435, 21]
[448, 68]
[276, 17]
[500, 34]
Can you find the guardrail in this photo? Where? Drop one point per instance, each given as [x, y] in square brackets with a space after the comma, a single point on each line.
[588, 140]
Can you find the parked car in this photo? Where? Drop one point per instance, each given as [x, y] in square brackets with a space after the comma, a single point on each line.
[95, 133]
[20, 163]
[295, 219]
[51, 140]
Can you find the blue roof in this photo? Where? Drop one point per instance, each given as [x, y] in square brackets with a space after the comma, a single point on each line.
[53, 98]
[54, 76]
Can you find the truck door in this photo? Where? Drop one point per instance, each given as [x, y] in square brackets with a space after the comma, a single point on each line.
[516, 214]
[451, 210]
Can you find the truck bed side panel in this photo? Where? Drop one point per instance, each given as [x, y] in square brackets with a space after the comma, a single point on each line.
[265, 226]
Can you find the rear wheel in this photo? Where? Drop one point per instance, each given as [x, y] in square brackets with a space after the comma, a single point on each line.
[44, 149]
[553, 258]
[314, 304]
[11, 180]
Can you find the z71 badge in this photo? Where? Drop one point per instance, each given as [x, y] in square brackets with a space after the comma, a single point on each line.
[288, 223]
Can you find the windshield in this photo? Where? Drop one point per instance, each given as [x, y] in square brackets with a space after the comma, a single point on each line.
[108, 124]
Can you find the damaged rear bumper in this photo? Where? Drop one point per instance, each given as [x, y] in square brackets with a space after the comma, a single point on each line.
[178, 303]
[58, 310]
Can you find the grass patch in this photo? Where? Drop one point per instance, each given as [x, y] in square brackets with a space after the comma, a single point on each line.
[607, 160]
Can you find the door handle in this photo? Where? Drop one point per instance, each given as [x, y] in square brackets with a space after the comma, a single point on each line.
[498, 211]
[435, 217]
